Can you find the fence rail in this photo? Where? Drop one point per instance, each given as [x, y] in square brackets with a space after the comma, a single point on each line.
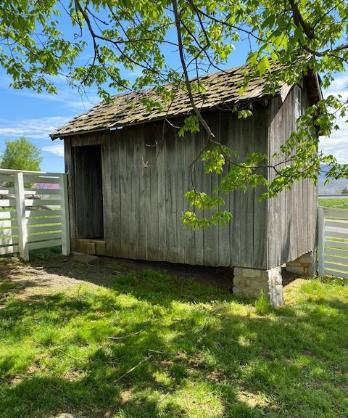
[33, 212]
[333, 242]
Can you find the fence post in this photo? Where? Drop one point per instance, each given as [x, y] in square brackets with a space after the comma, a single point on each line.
[65, 215]
[21, 219]
[321, 241]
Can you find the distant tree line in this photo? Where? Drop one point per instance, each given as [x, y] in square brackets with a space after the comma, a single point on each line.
[21, 154]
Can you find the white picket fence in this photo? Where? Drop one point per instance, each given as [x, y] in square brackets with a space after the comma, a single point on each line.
[33, 212]
[333, 242]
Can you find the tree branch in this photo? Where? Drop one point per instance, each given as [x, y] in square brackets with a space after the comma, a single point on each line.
[185, 71]
[299, 20]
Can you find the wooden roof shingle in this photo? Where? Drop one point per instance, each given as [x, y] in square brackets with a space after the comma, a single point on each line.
[223, 88]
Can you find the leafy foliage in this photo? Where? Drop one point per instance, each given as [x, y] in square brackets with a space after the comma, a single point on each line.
[285, 41]
[21, 154]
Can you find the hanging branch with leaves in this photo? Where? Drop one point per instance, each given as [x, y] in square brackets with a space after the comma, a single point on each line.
[285, 40]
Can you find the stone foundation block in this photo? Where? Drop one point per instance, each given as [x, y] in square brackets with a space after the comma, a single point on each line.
[251, 282]
[304, 265]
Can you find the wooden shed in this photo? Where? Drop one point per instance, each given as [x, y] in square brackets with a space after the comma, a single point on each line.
[128, 171]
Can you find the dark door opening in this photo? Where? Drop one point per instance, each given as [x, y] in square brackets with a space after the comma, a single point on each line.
[88, 192]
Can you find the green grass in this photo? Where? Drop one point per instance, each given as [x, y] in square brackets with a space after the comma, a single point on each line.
[334, 203]
[179, 349]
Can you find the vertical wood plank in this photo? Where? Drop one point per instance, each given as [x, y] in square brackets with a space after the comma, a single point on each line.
[132, 186]
[198, 185]
[65, 215]
[151, 192]
[107, 171]
[142, 220]
[179, 192]
[161, 196]
[70, 170]
[125, 249]
[115, 138]
[224, 255]
[22, 222]
[136, 174]
[170, 198]
[210, 234]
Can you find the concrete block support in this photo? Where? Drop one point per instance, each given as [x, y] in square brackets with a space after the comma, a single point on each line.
[304, 265]
[250, 283]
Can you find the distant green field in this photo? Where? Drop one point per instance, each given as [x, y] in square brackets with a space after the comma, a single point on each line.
[341, 203]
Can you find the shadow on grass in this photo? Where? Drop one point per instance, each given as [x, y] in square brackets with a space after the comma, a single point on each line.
[102, 270]
[152, 345]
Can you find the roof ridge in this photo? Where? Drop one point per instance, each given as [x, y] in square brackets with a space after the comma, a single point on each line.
[125, 109]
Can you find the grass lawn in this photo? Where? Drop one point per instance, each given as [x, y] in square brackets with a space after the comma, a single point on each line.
[152, 344]
[334, 203]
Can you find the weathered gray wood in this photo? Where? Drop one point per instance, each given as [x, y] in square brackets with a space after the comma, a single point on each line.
[170, 197]
[97, 138]
[142, 198]
[161, 190]
[126, 249]
[189, 233]
[223, 230]
[143, 192]
[292, 214]
[151, 140]
[132, 187]
[210, 235]
[260, 207]
[195, 182]
[115, 194]
[178, 195]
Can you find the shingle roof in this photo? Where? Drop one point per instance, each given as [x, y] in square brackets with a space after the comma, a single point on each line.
[128, 109]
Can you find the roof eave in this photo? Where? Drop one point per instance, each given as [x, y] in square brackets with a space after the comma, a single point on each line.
[314, 87]
[59, 135]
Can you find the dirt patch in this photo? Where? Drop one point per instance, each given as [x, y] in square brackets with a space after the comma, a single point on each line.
[56, 273]
[28, 279]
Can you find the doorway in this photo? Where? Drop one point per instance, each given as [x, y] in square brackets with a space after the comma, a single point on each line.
[88, 192]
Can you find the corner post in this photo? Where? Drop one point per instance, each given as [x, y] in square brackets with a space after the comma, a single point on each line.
[251, 282]
[65, 215]
[22, 222]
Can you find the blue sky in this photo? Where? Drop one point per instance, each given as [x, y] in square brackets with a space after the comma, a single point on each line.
[27, 113]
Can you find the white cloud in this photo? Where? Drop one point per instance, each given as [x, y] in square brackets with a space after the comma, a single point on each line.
[57, 149]
[31, 128]
[72, 99]
[338, 84]
[337, 143]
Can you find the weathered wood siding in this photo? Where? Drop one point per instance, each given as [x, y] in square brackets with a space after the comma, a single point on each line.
[144, 186]
[291, 214]
[146, 172]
